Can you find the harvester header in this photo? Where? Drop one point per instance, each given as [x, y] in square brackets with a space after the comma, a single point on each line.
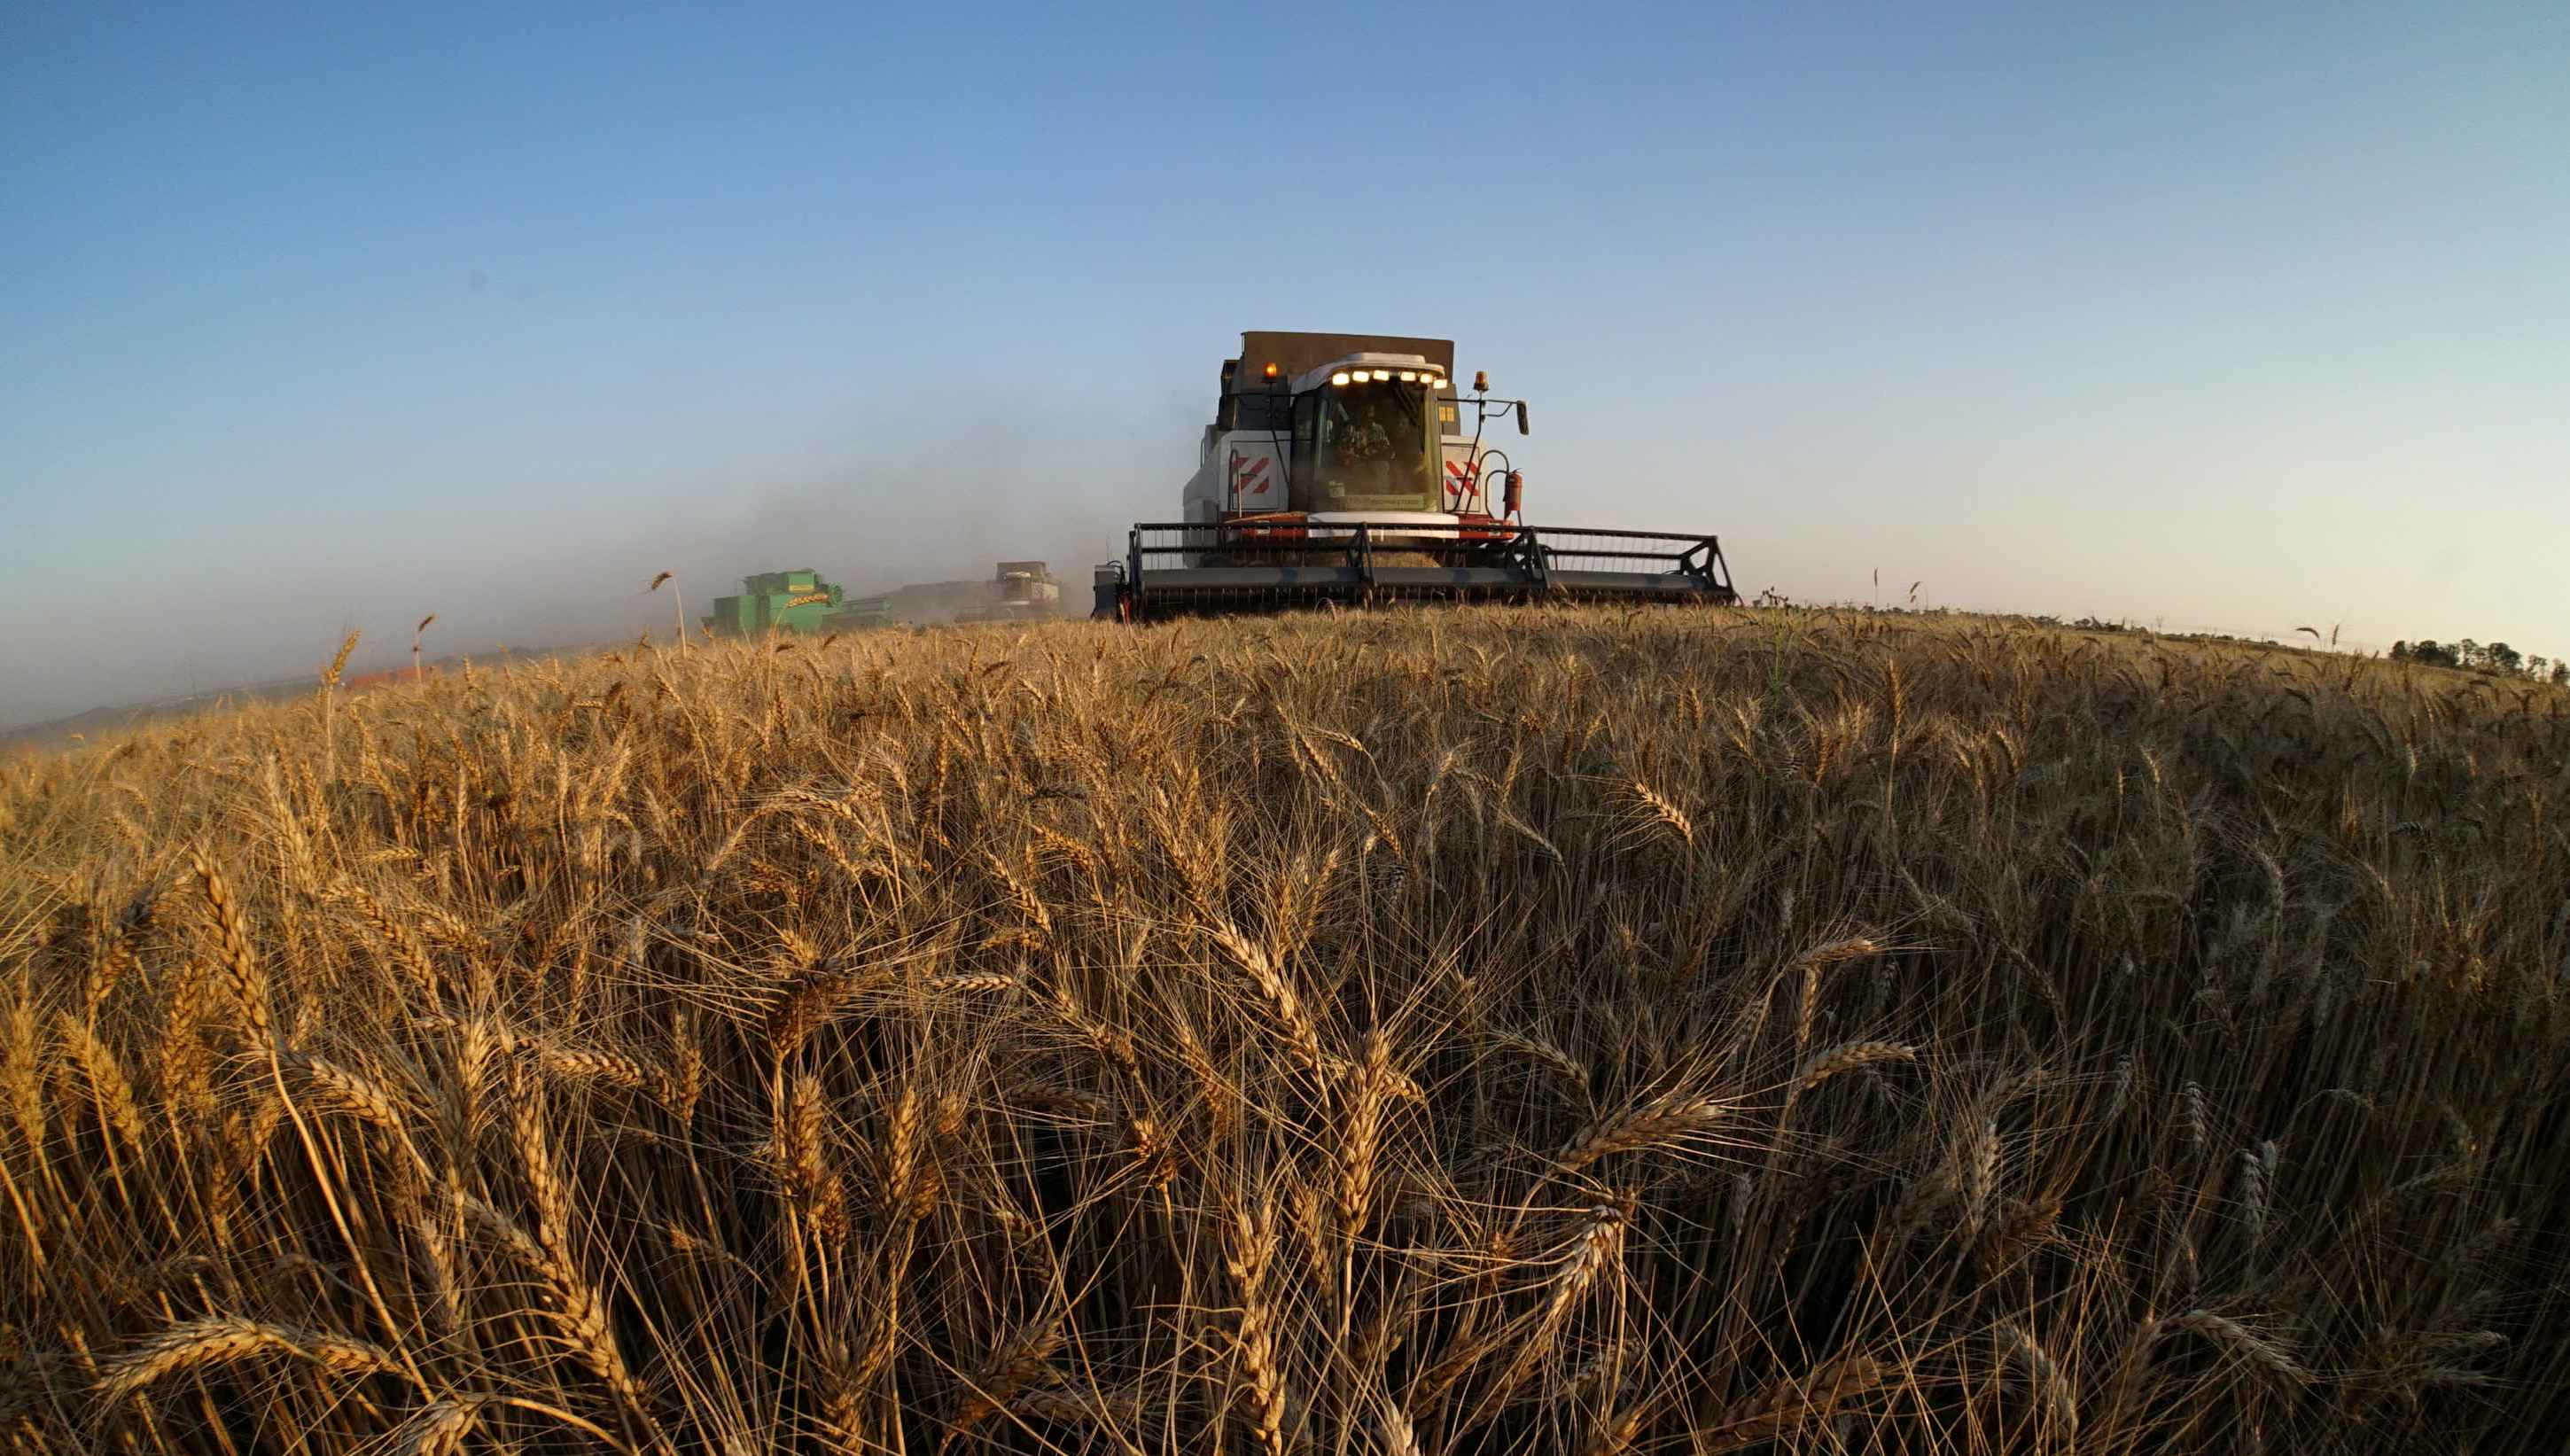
[1348, 467]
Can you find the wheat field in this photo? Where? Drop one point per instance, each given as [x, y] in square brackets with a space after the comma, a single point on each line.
[1506, 1030]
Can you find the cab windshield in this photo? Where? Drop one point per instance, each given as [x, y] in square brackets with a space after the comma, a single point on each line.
[1377, 448]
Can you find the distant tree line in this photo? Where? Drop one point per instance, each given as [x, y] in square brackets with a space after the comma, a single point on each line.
[2496, 658]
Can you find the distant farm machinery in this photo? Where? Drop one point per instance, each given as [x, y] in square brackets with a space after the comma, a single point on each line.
[801, 602]
[788, 601]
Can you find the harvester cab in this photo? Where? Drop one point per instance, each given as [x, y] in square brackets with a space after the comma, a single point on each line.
[1349, 468]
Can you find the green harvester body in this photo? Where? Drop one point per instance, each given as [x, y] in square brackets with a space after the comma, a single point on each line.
[778, 600]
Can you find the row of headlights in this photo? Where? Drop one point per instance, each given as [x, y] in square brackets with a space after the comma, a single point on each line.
[1407, 376]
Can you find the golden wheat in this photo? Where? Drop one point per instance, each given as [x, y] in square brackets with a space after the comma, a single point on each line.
[1528, 1030]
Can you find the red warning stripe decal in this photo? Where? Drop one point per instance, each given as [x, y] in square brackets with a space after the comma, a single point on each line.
[1248, 473]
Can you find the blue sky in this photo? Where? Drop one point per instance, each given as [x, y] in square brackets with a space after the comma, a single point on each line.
[313, 317]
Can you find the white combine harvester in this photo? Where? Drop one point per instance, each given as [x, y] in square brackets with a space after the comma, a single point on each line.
[1017, 591]
[1348, 468]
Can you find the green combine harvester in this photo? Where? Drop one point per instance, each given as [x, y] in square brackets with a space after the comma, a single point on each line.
[793, 600]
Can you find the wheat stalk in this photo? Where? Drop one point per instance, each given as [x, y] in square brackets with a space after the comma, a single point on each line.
[2257, 1179]
[105, 1074]
[232, 949]
[817, 1185]
[2043, 1376]
[1250, 1245]
[1019, 1364]
[910, 1180]
[1277, 985]
[437, 1429]
[1664, 812]
[1981, 1168]
[2239, 1340]
[1847, 1058]
[221, 1340]
[230, 1339]
[1665, 1122]
[1790, 1404]
[1371, 1079]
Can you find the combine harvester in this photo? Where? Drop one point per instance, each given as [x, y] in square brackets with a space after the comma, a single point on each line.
[801, 602]
[791, 601]
[1338, 469]
[1021, 591]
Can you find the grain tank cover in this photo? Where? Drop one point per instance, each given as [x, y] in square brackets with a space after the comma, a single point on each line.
[1297, 354]
[791, 583]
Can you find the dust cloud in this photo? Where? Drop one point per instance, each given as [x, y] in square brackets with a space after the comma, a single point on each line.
[938, 499]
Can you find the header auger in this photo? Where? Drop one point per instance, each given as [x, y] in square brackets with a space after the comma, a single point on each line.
[1338, 469]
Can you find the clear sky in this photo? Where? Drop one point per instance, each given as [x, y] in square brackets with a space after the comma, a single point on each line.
[321, 316]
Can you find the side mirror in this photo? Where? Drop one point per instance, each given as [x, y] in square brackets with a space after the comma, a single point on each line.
[1522, 424]
[1515, 494]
